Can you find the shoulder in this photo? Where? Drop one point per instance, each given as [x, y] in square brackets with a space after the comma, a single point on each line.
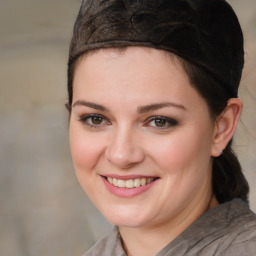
[226, 230]
[241, 221]
[241, 236]
[110, 245]
[243, 244]
[236, 234]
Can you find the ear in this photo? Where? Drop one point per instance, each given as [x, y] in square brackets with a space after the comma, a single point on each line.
[225, 126]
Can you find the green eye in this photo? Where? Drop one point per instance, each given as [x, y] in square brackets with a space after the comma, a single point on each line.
[160, 123]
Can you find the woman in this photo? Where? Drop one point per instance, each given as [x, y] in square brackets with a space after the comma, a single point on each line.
[153, 109]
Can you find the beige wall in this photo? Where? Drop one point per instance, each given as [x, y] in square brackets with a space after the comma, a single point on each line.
[43, 210]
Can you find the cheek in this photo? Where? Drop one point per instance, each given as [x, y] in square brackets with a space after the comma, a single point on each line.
[86, 149]
[184, 159]
[186, 151]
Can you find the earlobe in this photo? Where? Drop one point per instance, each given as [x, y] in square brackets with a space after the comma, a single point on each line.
[225, 126]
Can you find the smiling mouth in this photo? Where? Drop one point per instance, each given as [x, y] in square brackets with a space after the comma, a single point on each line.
[131, 183]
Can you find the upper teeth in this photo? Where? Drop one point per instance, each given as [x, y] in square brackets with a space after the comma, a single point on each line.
[135, 183]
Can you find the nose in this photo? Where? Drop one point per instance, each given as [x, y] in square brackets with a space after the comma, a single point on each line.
[124, 149]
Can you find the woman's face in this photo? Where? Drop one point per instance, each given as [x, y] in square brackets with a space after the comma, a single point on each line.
[138, 123]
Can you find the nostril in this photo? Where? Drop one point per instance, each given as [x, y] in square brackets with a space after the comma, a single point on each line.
[123, 151]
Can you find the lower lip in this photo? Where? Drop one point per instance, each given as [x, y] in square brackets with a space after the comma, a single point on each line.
[127, 192]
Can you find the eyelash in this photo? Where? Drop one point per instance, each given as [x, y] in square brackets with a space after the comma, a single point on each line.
[168, 122]
[85, 120]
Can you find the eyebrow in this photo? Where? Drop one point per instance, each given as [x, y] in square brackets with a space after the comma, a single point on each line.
[141, 109]
[90, 105]
[148, 108]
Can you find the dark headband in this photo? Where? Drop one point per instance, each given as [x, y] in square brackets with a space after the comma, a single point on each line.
[204, 32]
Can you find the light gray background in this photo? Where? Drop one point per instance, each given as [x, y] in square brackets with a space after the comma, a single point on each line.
[43, 210]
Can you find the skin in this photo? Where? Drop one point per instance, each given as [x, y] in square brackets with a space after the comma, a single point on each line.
[127, 140]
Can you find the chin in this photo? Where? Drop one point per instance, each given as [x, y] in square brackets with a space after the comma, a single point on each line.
[128, 222]
[126, 218]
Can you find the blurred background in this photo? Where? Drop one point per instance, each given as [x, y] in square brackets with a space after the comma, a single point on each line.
[43, 211]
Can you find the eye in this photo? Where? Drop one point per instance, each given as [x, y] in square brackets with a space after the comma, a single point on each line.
[161, 122]
[94, 121]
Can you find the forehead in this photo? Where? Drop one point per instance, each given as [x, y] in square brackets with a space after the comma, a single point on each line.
[114, 63]
[130, 74]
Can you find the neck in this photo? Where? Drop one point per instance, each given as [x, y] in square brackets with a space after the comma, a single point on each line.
[149, 240]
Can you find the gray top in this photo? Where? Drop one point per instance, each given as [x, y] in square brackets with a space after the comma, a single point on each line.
[229, 229]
